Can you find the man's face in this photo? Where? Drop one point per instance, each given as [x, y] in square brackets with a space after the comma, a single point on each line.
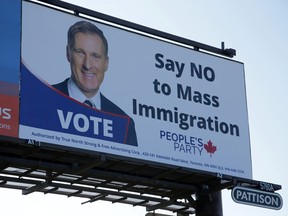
[88, 62]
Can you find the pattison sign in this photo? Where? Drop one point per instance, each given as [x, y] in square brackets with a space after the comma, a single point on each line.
[258, 198]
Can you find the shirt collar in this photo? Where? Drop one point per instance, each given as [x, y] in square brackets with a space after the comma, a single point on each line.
[77, 94]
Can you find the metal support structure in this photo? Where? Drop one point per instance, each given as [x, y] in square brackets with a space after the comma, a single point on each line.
[182, 214]
[77, 10]
[34, 168]
[209, 204]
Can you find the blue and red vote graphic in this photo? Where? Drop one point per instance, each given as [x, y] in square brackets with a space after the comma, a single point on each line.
[44, 107]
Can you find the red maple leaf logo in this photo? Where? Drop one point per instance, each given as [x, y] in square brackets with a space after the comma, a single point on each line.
[210, 148]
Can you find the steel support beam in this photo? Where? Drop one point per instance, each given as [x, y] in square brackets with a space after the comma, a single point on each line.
[209, 204]
[77, 10]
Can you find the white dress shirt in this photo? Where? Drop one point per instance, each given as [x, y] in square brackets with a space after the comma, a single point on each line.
[77, 94]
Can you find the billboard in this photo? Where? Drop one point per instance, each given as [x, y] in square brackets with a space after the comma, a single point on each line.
[9, 67]
[97, 87]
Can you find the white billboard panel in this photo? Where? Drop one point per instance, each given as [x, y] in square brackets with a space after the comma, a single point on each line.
[158, 101]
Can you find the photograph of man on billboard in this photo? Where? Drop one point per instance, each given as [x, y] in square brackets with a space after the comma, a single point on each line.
[87, 53]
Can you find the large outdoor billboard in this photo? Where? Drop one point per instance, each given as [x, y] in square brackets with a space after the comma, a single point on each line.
[147, 99]
[10, 13]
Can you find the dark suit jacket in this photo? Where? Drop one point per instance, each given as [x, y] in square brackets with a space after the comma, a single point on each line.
[107, 106]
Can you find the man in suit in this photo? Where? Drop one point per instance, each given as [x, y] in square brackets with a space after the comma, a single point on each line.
[87, 53]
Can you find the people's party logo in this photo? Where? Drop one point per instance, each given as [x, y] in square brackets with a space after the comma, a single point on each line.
[210, 148]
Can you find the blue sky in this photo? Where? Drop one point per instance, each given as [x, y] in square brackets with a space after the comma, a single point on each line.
[258, 31]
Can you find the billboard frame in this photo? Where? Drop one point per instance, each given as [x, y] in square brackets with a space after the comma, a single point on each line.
[79, 11]
[120, 24]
